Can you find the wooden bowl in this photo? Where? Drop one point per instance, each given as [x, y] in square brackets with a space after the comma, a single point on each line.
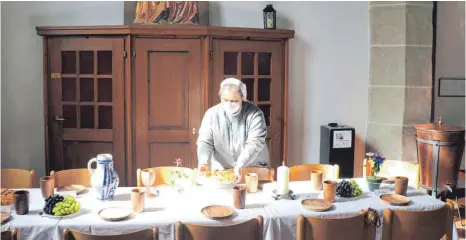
[74, 187]
[217, 211]
[5, 216]
[316, 204]
[394, 199]
[390, 180]
[114, 214]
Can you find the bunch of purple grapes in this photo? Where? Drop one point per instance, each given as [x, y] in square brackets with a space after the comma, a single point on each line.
[50, 203]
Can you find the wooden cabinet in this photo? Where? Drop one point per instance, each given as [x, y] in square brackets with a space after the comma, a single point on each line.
[140, 92]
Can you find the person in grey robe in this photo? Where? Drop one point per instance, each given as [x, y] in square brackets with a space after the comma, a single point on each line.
[233, 132]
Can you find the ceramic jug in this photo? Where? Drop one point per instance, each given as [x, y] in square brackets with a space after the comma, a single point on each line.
[104, 179]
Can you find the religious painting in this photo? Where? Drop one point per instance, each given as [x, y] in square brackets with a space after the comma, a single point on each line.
[167, 12]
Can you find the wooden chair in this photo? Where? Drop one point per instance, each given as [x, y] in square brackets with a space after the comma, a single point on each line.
[418, 225]
[80, 176]
[18, 178]
[393, 168]
[249, 230]
[10, 235]
[264, 174]
[162, 175]
[314, 228]
[147, 234]
[303, 172]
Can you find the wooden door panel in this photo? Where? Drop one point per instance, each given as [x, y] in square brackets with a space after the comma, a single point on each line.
[164, 154]
[258, 64]
[86, 111]
[170, 87]
[168, 101]
[78, 153]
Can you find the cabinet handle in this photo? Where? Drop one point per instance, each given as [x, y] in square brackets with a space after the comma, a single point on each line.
[57, 118]
[194, 131]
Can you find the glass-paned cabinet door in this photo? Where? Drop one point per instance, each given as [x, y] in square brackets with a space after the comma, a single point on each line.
[259, 66]
[87, 88]
[86, 100]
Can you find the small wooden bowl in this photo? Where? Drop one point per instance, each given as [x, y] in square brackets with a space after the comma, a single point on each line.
[390, 180]
[5, 216]
[316, 204]
[114, 214]
[74, 187]
[394, 199]
[217, 211]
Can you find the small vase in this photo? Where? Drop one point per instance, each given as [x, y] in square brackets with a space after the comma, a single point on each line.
[373, 182]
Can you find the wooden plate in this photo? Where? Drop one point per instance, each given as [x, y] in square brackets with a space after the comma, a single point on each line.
[394, 199]
[217, 211]
[5, 216]
[316, 205]
[114, 214]
[78, 188]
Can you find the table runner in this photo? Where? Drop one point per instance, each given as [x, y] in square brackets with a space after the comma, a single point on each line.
[171, 206]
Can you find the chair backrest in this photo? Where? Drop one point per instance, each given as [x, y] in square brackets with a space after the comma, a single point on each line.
[162, 174]
[393, 168]
[80, 176]
[418, 225]
[147, 234]
[264, 174]
[314, 228]
[10, 235]
[249, 230]
[303, 172]
[18, 178]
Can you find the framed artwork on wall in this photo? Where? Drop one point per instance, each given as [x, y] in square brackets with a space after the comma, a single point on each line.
[451, 87]
[167, 12]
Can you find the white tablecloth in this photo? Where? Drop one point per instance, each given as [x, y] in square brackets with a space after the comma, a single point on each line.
[171, 206]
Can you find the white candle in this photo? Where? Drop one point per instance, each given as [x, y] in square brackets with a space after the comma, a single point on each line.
[283, 174]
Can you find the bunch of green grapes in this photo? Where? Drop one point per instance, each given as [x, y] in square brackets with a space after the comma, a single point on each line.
[66, 207]
[355, 189]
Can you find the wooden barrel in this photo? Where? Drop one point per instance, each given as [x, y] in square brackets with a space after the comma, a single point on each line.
[444, 142]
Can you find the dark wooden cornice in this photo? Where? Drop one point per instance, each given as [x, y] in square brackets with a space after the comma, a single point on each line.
[168, 31]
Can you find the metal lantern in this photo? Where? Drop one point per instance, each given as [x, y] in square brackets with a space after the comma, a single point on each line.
[270, 17]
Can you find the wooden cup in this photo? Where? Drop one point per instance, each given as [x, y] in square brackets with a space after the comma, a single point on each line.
[252, 182]
[239, 197]
[316, 180]
[47, 184]
[137, 200]
[22, 202]
[401, 185]
[330, 188]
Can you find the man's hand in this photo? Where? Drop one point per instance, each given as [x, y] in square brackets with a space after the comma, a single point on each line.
[204, 168]
[237, 171]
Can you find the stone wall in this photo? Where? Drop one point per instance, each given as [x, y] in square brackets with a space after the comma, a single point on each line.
[400, 85]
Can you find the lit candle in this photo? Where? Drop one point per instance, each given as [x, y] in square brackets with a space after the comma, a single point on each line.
[283, 174]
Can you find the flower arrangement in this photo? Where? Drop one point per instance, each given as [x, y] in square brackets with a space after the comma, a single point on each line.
[177, 172]
[376, 163]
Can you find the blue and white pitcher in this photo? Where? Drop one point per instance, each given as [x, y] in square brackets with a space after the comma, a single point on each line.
[104, 178]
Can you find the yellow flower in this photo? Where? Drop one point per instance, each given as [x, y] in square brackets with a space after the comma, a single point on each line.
[372, 163]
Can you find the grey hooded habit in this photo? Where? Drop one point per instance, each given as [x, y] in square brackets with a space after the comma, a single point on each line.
[226, 139]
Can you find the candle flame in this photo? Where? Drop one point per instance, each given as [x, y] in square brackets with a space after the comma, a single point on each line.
[283, 163]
